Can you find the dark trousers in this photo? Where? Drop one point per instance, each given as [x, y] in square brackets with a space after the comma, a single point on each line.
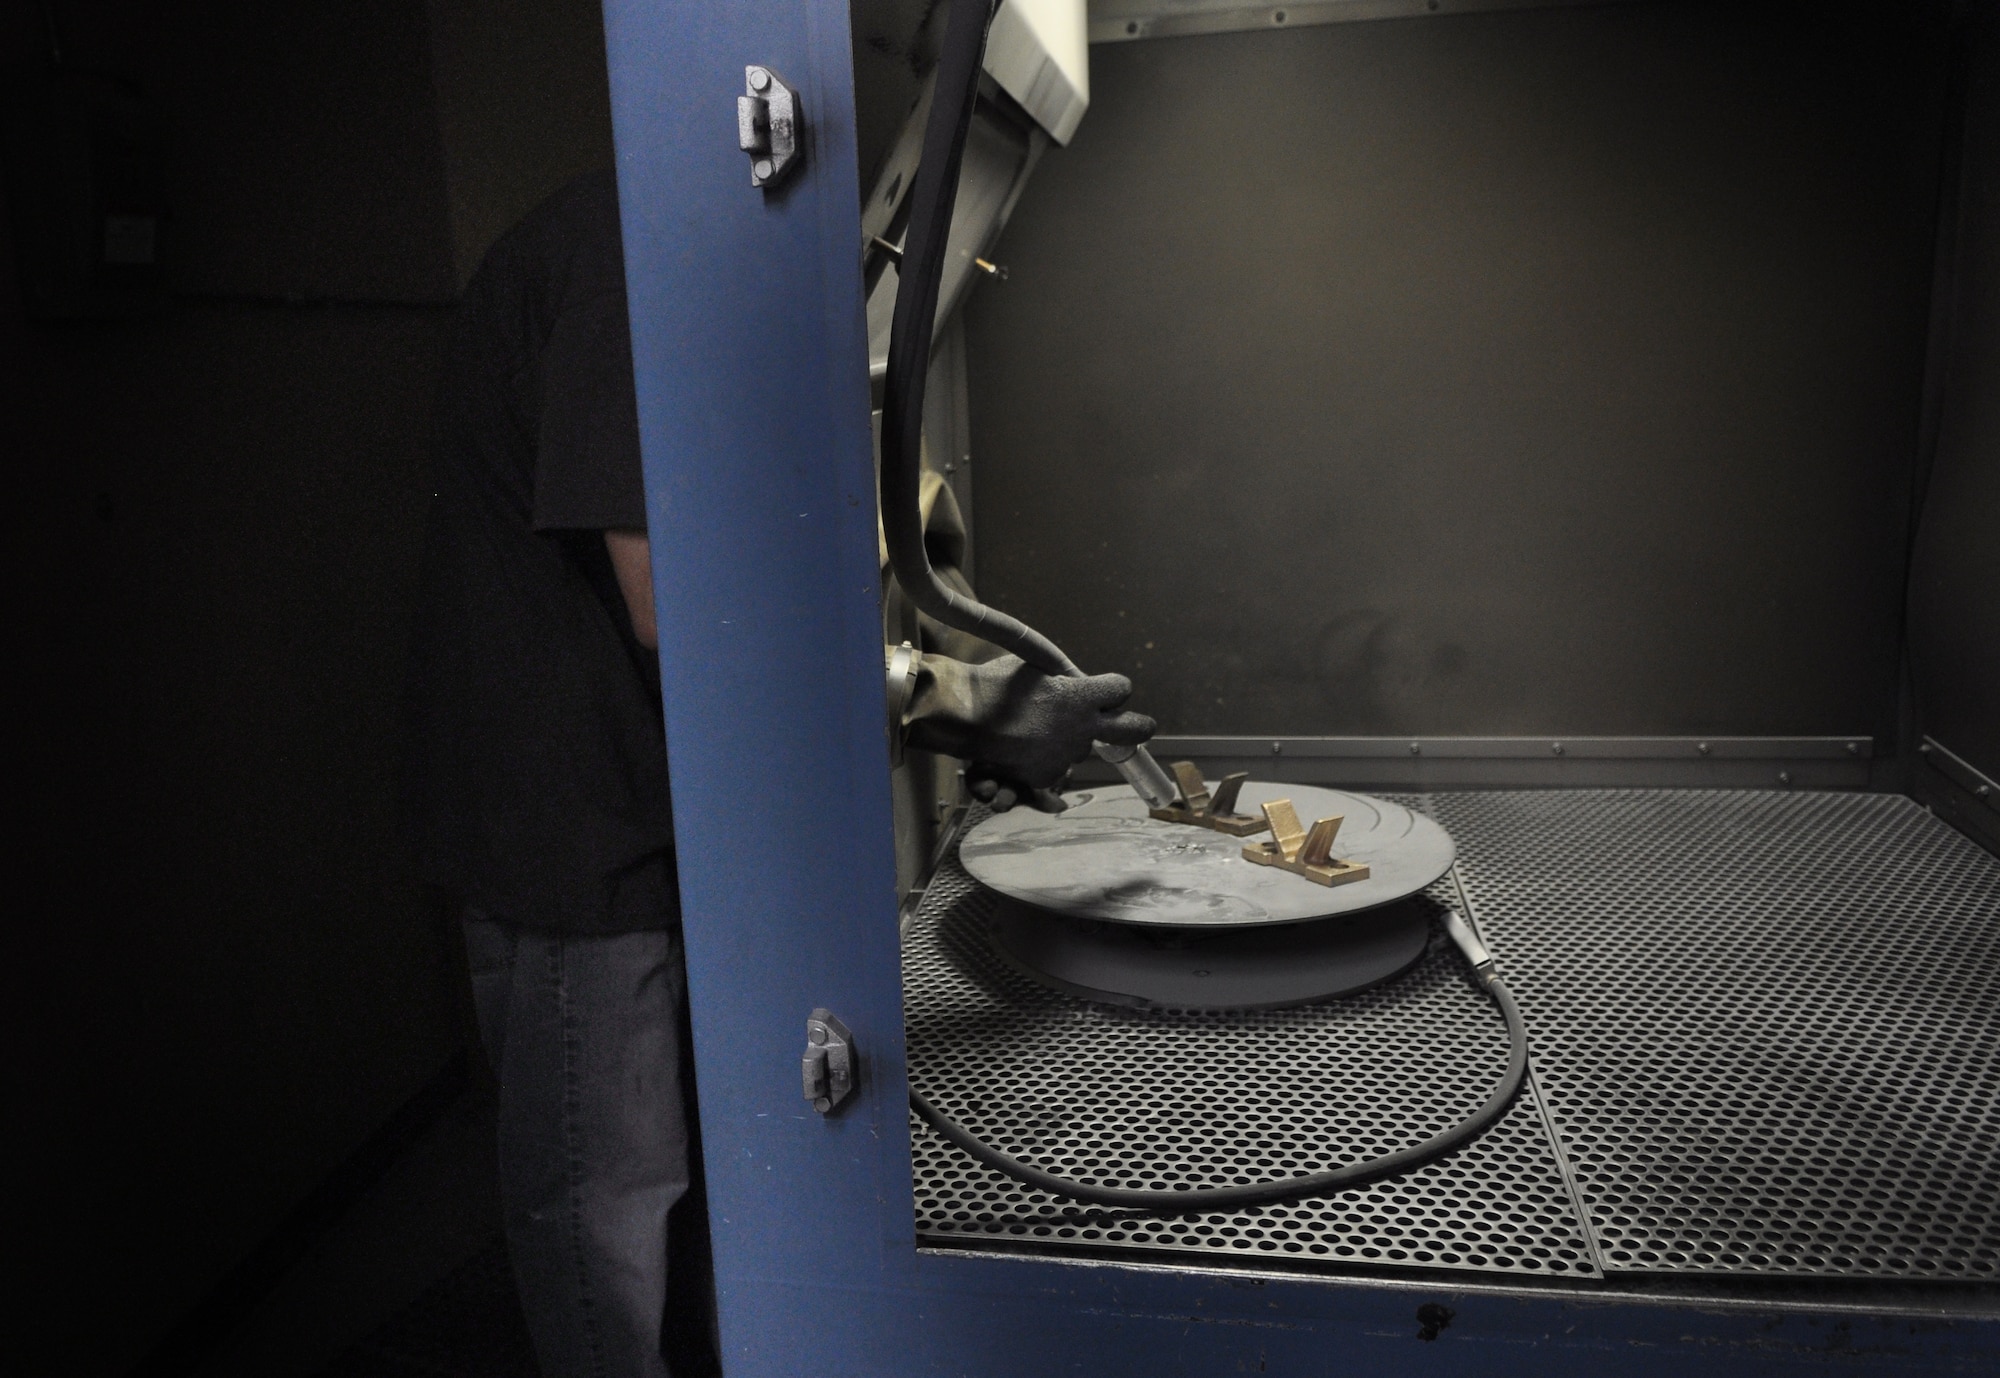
[584, 1034]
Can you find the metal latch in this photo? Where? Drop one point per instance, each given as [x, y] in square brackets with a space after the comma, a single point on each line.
[828, 1067]
[770, 127]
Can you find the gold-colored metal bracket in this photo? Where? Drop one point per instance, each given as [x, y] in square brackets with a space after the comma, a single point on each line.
[1308, 854]
[1197, 808]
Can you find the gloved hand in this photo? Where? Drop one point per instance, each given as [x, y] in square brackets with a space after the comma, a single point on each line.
[1003, 794]
[1018, 730]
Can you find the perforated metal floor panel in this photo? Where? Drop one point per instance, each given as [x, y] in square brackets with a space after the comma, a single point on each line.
[1153, 1098]
[1766, 1027]
[1765, 1024]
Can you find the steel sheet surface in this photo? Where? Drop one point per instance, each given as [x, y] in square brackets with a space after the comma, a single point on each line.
[1105, 859]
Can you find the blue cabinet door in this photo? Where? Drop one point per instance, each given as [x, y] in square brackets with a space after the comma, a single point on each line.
[753, 401]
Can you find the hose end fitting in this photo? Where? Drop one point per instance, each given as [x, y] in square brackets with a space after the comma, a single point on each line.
[1469, 944]
[1141, 772]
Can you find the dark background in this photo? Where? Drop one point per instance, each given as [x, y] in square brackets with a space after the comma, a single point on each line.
[1955, 574]
[224, 988]
[1545, 372]
[226, 985]
[1564, 371]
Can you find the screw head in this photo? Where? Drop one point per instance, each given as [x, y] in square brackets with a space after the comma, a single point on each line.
[1982, 791]
[1558, 748]
[760, 80]
[1854, 748]
[1784, 777]
[816, 1034]
[1416, 748]
[761, 169]
[1277, 748]
[1702, 748]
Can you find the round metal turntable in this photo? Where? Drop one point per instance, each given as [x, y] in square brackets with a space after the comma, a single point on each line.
[1268, 966]
[1104, 859]
[1104, 902]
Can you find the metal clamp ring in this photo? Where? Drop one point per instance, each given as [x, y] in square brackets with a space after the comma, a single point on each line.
[902, 687]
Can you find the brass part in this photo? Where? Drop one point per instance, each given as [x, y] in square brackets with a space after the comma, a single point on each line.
[1225, 794]
[1194, 789]
[1198, 809]
[1308, 854]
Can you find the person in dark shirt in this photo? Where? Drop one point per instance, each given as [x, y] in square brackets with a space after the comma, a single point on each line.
[537, 774]
[537, 779]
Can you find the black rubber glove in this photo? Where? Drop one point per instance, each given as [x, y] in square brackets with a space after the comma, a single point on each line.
[1003, 794]
[1018, 730]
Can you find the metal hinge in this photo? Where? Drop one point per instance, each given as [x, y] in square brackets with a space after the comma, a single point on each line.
[770, 126]
[829, 1066]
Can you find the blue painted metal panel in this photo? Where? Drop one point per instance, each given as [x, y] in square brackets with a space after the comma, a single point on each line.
[977, 1316]
[750, 356]
[750, 353]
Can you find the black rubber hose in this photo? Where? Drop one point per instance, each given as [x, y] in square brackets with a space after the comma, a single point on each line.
[1264, 1193]
[932, 196]
[919, 275]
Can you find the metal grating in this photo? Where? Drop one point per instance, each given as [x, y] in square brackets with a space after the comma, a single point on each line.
[1156, 1097]
[1766, 1024]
